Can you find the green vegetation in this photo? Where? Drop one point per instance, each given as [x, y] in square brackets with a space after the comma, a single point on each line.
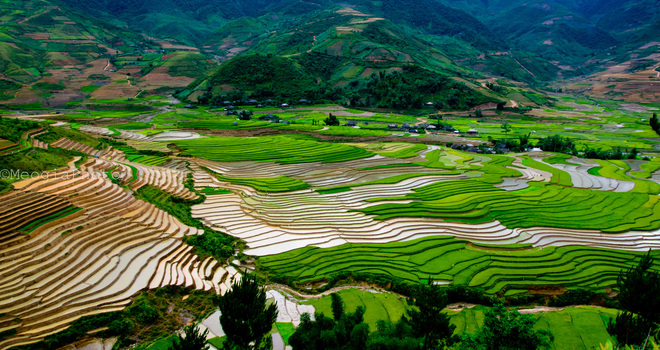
[191, 339]
[582, 327]
[49, 86]
[655, 124]
[264, 76]
[133, 126]
[36, 160]
[13, 129]
[245, 316]
[393, 149]
[152, 315]
[507, 329]
[282, 149]
[56, 133]
[285, 330]
[639, 296]
[281, 183]
[541, 205]
[211, 191]
[449, 259]
[218, 342]
[378, 306]
[44, 220]
[147, 160]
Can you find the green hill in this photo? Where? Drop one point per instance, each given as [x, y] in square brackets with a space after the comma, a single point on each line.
[263, 76]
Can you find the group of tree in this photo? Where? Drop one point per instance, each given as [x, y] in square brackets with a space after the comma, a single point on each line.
[12, 129]
[427, 327]
[331, 120]
[247, 320]
[270, 77]
[245, 115]
[559, 144]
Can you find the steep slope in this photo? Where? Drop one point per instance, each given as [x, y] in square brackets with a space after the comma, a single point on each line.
[192, 21]
[342, 56]
[43, 45]
[577, 35]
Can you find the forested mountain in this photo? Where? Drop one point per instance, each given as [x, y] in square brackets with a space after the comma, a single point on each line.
[533, 42]
[568, 33]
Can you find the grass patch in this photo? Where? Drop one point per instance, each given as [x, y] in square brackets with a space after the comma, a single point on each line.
[218, 342]
[286, 330]
[212, 191]
[133, 126]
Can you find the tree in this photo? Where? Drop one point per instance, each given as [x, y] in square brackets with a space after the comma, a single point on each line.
[348, 331]
[655, 123]
[337, 306]
[556, 143]
[192, 339]
[507, 330]
[331, 120]
[393, 336]
[523, 142]
[506, 128]
[429, 322]
[639, 289]
[639, 295]
[245, 115]
[245, 317]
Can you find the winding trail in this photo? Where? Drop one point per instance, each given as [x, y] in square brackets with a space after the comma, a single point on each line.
[298, 294]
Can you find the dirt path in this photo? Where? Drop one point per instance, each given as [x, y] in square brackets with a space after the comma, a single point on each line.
[539, 309]
[300, 295]
[525, 68]
[107, 66]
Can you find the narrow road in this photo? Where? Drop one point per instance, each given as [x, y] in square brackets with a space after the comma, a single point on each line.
[298, 294]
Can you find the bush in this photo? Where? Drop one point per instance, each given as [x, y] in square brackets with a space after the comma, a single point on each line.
[12, 129]
[576, 297]
[122, 326]
[556, 143]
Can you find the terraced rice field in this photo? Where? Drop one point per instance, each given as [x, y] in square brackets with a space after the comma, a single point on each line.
[76, 244]
[281, 149]
[447, 259]
[577, 229]
[82, 243]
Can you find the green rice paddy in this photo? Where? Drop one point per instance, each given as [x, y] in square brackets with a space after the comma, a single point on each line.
[272, 184]
[147, 160]
[282, 149]
[541, 205]
[448, 259]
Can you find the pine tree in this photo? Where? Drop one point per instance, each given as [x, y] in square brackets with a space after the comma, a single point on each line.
[429, 322]
[193, 339]
[245, 317]
[655, 123]
[337, 306]
[639, 295]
